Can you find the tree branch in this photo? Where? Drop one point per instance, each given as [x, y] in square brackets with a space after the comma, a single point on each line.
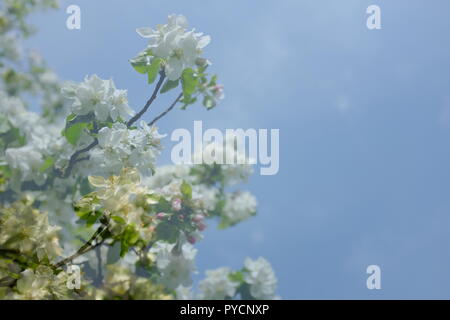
[167, 111]
[136, 117]
[74, 159]
[88, 246]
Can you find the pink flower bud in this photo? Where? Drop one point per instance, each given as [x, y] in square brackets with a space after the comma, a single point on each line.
[201, 226]
[176, 204]
[198, 218]
[191, 240]
[160, 215]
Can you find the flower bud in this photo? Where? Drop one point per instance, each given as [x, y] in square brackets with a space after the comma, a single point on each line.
[198, 218]
[160, 215]
[176, 204]
[191, 240]
[201, 226]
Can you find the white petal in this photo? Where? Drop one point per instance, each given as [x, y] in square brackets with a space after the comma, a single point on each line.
[204, 41]
[174, 68]
[145, 32]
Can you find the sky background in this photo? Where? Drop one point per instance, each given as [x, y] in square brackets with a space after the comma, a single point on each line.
[364, 119]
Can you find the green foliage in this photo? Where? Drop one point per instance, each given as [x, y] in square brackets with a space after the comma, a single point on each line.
[167, 231]
[189, 81]
[48, 163]
[169, 85]
[186, 190]
[237, 276]
[153, 69]
[128, 239]
[73, 133]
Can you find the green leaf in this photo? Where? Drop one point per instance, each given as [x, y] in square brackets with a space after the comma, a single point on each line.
[118, 219]
[153, 69]
[83, 215]
[123, 248]
[167, 232]
[140, 63]
[187, 101]
[163, 205]
[237, 276]
[169, 85]
[48, 162]
[140, 67]
[189, 82]
[93, 218]
[73, 133]
[186, 190]
[213, 80]
[71, 117]
[209, 102]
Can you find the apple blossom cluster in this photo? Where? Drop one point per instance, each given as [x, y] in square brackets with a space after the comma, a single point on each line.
[178, 47]
[255, 281]
[217, 285]
[122, 283]
[99, 98]
[27, 140]
[41, 284]
[260, 278]
[121, 147]
[239, 206]
[27, 231]
[79, 182]
[175, 263]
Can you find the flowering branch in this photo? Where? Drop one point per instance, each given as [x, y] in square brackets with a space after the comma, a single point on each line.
[158, 213]
[138, 115]
[88, 246]
[74, 159]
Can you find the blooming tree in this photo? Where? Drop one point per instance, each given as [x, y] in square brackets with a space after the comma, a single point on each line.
[79, 185]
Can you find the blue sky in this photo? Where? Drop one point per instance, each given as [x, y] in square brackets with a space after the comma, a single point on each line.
[364, 119]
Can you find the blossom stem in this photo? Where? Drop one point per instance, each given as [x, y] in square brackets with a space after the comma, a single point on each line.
[167, 111]
[138, 115]
[88, 246]
[74, 159]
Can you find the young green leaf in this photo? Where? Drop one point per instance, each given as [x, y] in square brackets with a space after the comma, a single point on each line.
[169, 85]
[189, 82]
[153, 69]
[73, 133]
[186, 190]
[48, 162]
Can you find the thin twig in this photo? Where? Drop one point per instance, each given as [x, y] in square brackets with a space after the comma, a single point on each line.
[88, 246]
[136, 117]
[74, 159]
[167, 111]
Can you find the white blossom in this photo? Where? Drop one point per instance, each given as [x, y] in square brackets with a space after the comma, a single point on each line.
[178, 47]
[121, 147]
[217, 285]
[166, 174]
[205, 196]
[183, 293]
[260, 277]
[9, 47]
[27, 230]
[175, 265]
[239, 206]
[25, 161]
[99, 97]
